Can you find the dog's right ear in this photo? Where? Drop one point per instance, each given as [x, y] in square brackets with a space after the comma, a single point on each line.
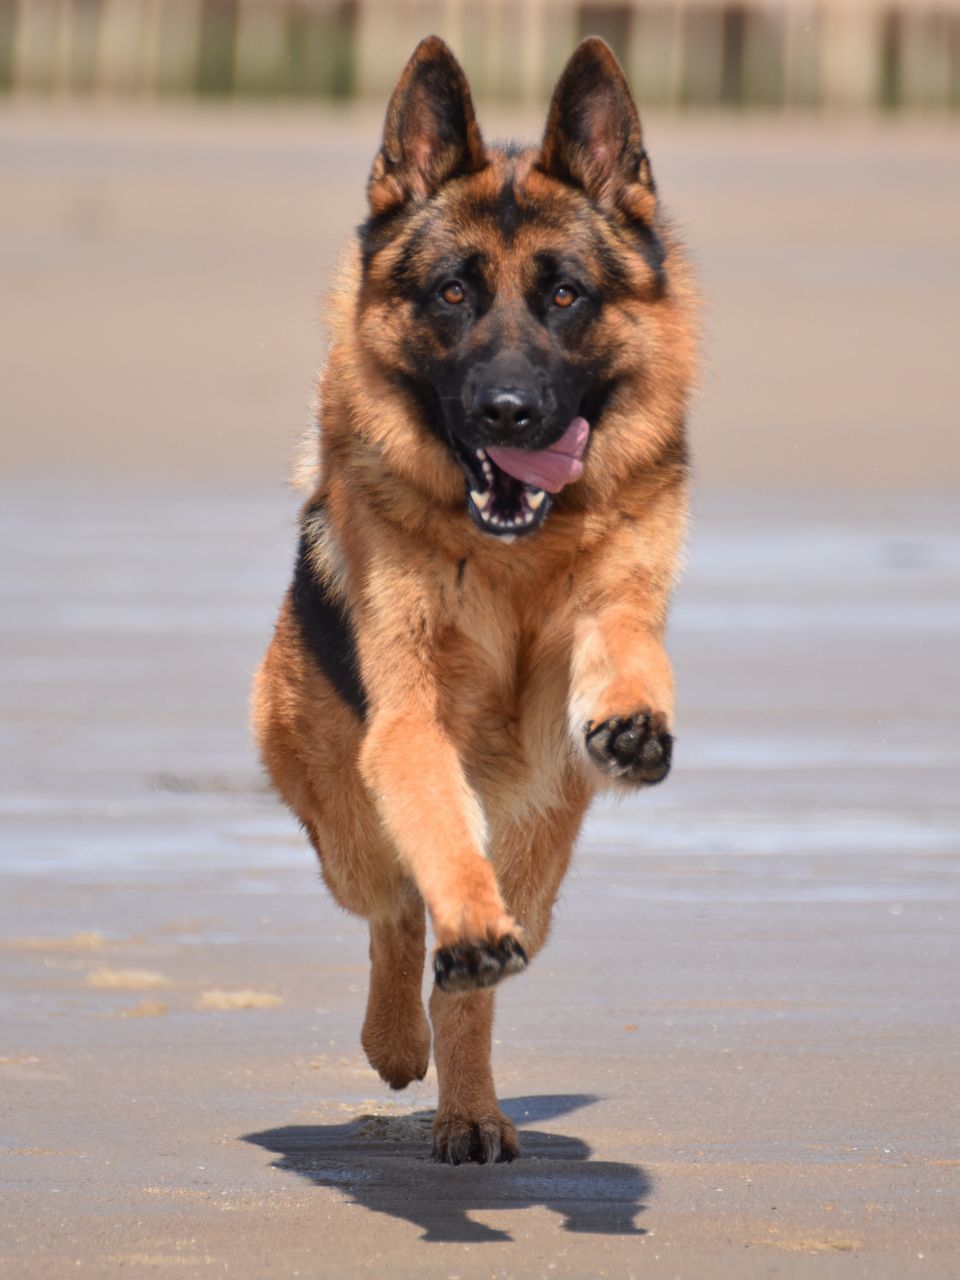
[430, 134]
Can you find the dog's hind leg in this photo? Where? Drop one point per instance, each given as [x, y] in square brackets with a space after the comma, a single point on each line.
[531, 859]
[396, 1034]
[469, 1124]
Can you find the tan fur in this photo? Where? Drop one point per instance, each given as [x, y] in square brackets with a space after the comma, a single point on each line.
[465, 786]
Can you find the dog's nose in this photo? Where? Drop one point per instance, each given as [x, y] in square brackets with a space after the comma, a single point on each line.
[508, 409]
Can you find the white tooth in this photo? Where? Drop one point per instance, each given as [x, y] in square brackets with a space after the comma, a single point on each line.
[535, 499]
[480, 499]
[528, 518]
[481, 455]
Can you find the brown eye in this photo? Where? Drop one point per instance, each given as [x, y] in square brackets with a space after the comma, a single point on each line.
[564, 296]
[453, 292]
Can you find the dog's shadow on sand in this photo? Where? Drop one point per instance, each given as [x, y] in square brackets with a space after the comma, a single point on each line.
[384, 1164]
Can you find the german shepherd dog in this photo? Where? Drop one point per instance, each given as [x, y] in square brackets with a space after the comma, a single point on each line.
[472, 644]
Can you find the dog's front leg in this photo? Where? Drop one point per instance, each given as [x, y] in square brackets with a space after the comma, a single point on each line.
[621, 683]
[621, 705]
[417, 780]
[437, 826]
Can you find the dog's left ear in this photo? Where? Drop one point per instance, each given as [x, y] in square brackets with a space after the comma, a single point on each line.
[430, 134]
[593, 137]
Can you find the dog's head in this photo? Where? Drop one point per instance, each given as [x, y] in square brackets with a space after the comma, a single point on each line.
[513, 293]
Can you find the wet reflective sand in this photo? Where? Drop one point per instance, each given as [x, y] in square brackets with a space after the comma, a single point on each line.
[742, 1042]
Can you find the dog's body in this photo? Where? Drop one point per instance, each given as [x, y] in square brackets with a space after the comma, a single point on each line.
[468, 652]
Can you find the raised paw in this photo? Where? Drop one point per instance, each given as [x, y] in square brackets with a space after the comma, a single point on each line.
[635, 748]
[486, 1139]
[463, 966]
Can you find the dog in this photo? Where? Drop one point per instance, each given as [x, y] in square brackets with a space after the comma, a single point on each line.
[472, 644]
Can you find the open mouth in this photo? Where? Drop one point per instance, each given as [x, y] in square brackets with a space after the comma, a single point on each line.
[510, 490]
[500, 504]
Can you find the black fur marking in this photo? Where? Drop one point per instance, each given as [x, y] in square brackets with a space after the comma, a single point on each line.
[646, 173]
[461, 570]
[424, 397]
[654, 254]
[596, 400]
[616, 277]
[403, 275]
[507, 212]
[326, 631]
[377, 232]
[510, 214]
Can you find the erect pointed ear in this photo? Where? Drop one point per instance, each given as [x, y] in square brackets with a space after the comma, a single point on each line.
[430, 134]
[593, 136]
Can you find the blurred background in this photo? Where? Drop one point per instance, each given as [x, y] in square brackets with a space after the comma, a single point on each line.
[177, 178]
[770, 53]
[179, 175]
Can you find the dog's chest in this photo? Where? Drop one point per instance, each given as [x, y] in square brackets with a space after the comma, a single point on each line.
[505, 683]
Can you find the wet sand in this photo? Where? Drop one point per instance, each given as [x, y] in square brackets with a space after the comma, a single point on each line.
[738, 1056]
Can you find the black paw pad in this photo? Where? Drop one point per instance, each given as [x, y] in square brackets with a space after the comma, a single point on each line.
[468, 965]
[633, 748]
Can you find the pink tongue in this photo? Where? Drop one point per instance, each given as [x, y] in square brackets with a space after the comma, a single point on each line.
[550, 468]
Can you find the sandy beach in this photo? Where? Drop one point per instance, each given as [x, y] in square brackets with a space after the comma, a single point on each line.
[739, 1056]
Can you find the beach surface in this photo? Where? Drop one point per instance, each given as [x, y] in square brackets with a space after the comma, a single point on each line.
[739, 1056]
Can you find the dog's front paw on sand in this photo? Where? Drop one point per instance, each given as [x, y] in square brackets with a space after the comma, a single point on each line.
[635, 748]
[464, 966]
[486, 1139]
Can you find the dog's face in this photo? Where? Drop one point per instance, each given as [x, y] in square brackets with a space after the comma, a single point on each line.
[504, 289]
